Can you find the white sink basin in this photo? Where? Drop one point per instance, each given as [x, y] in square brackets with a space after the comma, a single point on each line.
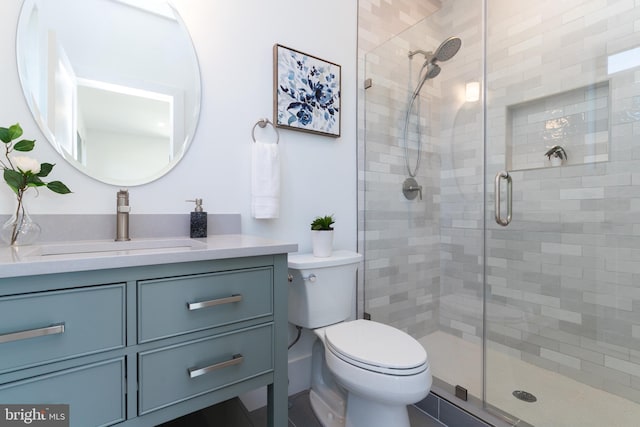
[108, 247]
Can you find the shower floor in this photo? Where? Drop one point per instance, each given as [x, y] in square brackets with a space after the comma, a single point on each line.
[562, 402]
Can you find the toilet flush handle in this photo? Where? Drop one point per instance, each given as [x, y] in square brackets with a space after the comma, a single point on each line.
[311, 278]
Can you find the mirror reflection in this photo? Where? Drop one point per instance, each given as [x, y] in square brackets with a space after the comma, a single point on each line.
[113, 84]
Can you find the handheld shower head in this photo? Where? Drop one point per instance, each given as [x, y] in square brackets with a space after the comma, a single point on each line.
[432, 71]
[444, 52]
[428, 71]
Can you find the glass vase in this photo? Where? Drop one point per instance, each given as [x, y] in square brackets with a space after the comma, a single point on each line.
[20, 229]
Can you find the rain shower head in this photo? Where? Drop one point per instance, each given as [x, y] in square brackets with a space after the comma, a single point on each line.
[446, 50]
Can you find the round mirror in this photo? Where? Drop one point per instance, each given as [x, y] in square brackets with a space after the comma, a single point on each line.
[113, 84]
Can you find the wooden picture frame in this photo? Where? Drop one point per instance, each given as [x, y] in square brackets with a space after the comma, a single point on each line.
[306, 93]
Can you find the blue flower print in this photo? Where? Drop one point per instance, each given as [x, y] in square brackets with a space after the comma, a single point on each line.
[308, 92]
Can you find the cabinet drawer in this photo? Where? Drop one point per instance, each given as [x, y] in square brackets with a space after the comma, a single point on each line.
[216, 299]
[94, 393]
[176, 373]
[44, 327]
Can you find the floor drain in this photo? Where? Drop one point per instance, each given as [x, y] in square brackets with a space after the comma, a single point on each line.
[524, 396]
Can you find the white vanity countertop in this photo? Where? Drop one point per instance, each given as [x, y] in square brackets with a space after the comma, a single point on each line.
[87, 255]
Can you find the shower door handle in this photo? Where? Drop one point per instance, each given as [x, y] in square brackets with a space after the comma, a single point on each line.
[499, 177]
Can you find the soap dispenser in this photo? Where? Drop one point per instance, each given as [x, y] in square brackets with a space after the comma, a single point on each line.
[198, 220]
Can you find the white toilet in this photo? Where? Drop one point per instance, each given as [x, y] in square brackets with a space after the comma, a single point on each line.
[364, 373]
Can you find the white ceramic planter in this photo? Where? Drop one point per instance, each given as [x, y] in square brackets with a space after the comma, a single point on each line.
[322, 243]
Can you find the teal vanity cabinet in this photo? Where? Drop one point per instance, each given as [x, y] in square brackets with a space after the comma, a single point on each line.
[64, 346]
[141, 345]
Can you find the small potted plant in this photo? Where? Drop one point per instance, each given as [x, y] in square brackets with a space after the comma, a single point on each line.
[322, 236]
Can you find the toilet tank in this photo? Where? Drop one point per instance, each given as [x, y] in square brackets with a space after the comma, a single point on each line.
[322, 291]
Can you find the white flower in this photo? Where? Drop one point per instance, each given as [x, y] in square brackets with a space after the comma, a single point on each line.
[26, 164]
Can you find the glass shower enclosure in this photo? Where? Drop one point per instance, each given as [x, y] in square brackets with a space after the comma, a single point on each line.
[514, 255]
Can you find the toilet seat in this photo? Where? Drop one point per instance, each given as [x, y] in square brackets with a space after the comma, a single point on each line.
[376, 347]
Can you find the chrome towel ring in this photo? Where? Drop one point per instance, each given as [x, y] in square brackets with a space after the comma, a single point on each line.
[263, 123]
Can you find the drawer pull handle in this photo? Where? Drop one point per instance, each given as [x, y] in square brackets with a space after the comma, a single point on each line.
[235, 360]
[32, 333]
[214, 302]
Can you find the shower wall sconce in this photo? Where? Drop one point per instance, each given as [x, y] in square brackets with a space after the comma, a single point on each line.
[472, 93]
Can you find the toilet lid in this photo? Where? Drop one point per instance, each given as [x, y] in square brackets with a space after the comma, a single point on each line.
[377, 347]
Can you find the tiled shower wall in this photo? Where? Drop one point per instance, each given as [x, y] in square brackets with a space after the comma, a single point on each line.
[562, 278]
[461, 176]
[402, 240]
[386, 220]
[423, 258]
[576, 120]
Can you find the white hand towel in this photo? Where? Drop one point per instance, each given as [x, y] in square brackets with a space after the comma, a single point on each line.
[265, 180]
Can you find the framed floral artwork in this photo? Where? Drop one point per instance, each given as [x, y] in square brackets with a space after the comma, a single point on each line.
[306, 92]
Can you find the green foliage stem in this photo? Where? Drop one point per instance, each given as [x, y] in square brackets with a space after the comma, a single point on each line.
[18, 180]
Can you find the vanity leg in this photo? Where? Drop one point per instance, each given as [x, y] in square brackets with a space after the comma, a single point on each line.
[277, 392]
[277, 407]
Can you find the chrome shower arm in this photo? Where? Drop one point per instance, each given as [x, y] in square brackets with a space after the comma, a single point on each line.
[412, 53]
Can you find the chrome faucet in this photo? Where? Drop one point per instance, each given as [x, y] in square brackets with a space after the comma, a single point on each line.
[122, 216]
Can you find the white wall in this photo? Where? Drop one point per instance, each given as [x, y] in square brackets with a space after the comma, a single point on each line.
[233, 40]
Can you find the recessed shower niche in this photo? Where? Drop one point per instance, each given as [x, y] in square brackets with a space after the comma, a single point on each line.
[576, 120]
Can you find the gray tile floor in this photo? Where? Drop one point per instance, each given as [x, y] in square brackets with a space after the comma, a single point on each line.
[232, 413]
[301, 414]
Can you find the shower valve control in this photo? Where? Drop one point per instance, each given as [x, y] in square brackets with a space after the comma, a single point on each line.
[411, 189]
